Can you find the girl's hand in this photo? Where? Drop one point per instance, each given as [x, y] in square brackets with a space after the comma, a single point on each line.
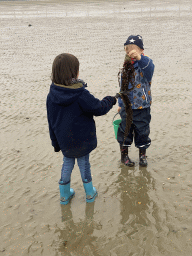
[134, 55]
[57, 149]
[119, 108]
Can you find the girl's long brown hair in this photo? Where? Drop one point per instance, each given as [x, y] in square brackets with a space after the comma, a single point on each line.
[127, 76]
[65, 67]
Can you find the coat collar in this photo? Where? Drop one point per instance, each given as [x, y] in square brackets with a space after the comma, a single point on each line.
[72, 86]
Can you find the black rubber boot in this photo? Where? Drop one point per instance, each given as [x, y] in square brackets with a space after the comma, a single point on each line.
[142, 157]
[124, 156]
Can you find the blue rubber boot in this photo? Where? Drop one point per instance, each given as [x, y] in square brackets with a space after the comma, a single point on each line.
[66, 193]
[90, 191]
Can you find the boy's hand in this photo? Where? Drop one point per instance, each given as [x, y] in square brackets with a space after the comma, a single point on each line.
[134, 55]
[119, 108]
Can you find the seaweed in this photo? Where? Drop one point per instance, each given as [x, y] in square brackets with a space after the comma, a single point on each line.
[126, 77]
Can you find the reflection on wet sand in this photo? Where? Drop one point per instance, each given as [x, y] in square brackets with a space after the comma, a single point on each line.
[134, 197]
[78, 237]
[136, 210]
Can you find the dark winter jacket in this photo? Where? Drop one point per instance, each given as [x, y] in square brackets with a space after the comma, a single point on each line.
[140, 97]
[70, 111]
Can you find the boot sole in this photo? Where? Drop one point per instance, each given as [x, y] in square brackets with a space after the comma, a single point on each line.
[129, 164]
[92, 199]
[69, 199]
[143, 165]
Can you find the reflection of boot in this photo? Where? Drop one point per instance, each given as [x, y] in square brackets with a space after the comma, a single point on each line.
[89, 211]
[142, 157]
[89, 221]
[66, 213]
[124, 156]
[90, 191]
[66, 193]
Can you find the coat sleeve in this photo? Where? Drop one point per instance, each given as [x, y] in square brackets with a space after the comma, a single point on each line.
[147, 66]
[51, 132]
[94, 106]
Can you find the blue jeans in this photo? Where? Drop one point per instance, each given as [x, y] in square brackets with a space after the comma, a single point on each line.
[84, 167]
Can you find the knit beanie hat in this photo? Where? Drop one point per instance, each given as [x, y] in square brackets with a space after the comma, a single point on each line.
[137, 40]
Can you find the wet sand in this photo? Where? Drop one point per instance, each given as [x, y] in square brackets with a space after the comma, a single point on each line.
[139, 211]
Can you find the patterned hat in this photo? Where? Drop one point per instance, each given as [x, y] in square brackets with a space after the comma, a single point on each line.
[137, 40]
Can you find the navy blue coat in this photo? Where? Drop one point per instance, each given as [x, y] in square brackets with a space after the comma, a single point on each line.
[70, 111]
[141, 97]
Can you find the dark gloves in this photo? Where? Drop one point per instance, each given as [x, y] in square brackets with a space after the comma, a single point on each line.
[57, 149]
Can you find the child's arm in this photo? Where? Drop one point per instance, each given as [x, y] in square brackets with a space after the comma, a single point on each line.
[147, 66]
[54, 140]
[94, 106]
[52, 136]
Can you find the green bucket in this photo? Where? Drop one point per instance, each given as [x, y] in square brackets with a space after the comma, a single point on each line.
[116, 124]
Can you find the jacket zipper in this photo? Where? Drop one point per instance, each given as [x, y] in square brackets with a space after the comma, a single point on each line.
[145, 95]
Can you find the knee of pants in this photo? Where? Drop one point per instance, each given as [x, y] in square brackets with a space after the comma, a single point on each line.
[142, 140]
[84, 167]
[120, 136]
[68, 165]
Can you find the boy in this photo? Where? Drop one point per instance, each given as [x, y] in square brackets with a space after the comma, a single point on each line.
[140, 98]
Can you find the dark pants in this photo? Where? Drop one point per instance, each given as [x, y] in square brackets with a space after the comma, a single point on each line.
[139, 129]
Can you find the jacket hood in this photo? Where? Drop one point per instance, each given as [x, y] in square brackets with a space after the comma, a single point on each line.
[65, 95]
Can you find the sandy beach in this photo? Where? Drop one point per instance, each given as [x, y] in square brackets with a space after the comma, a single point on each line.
[138, 211]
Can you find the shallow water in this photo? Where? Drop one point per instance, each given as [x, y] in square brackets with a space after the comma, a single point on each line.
[139, 211]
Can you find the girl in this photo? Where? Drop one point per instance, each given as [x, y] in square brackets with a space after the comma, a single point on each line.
[70, 111]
